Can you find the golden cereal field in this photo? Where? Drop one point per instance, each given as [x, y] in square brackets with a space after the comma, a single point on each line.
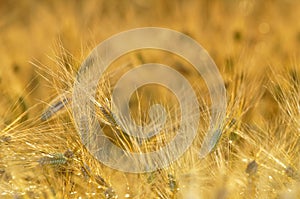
[256, 47]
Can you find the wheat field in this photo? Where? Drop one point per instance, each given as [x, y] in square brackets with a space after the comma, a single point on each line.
[255, 45]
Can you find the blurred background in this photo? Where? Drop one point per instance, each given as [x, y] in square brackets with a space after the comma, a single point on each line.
[260, 32]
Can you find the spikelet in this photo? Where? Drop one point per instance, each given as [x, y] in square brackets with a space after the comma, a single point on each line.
[56, 105]
[56, 159]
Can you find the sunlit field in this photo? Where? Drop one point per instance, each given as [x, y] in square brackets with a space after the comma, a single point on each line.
[256, 47]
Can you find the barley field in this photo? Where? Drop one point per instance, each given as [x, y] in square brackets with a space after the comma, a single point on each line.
[255, 45]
